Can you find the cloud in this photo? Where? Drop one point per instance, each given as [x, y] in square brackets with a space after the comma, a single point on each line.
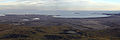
[29, 4]
[2, 0]
[59, 5]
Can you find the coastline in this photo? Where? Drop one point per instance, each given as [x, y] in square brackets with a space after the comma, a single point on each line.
[41, 27]
[99, 23]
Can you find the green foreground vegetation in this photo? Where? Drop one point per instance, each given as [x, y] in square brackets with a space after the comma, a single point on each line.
[12, 32]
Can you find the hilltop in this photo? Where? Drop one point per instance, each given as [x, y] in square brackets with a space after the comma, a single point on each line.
[41, 27]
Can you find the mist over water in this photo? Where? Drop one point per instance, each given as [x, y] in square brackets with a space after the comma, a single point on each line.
[67, 14]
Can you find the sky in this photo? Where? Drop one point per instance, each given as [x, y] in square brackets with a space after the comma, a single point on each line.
[59, 5]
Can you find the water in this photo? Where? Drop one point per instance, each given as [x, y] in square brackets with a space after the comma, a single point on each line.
[70, 14]
[80, 14]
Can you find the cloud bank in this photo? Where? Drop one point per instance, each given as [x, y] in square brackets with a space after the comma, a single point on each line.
[59, 5]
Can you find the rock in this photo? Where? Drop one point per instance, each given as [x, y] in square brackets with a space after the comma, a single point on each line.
[38, 30]
[69, 32]
[81, 33]
[53, 37]
[74, 37]
[14, 36]
[33, 32]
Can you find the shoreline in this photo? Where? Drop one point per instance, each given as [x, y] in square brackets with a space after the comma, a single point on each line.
[110, 15]
[77, 23]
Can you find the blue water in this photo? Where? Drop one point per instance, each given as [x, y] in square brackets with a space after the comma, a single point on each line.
[70, 14]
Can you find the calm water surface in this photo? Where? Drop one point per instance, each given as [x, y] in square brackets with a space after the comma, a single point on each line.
[72, 14]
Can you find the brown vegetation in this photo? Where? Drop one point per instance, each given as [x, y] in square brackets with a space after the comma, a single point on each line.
[12, 32]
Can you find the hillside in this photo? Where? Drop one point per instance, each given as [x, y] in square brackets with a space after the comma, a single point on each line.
[23, 27]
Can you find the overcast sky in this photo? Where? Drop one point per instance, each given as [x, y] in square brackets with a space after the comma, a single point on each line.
[60, 4]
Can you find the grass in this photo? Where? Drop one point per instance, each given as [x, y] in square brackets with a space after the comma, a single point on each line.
[54, 33]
